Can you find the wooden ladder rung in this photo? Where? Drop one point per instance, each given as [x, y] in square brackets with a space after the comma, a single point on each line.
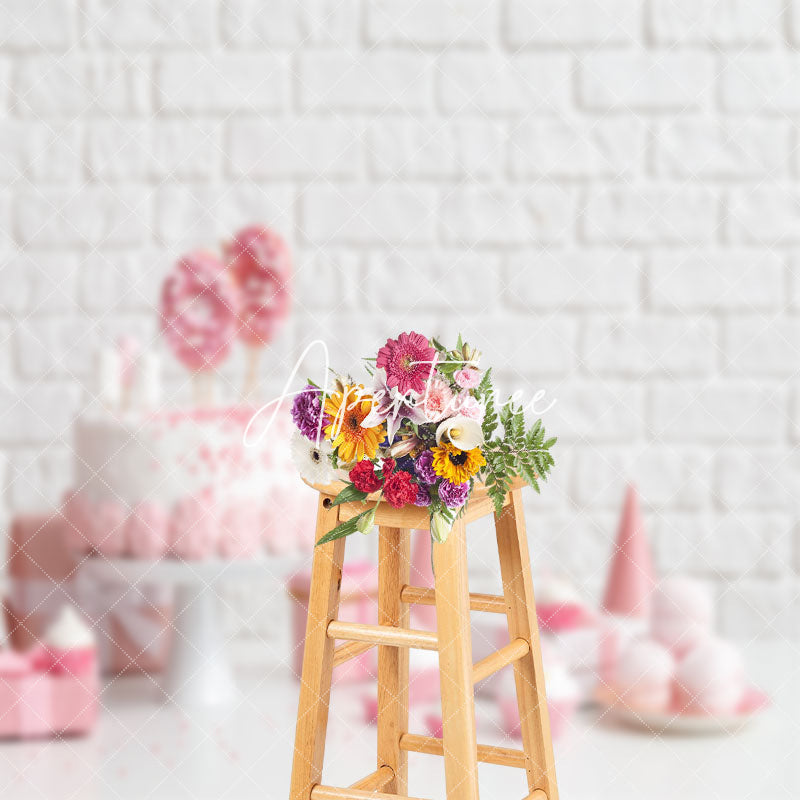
[505, 756]
[320, 792]
[492, 603]
[375, 781]
[345, 652]
[382, 634]
[499, 659]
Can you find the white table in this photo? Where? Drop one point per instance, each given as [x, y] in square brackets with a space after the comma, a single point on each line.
[147, 750]
[199, 671]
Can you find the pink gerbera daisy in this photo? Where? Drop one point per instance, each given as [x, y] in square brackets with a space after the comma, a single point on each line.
[408, 361]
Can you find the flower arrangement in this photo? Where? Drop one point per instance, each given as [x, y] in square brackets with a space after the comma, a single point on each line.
[422, 435]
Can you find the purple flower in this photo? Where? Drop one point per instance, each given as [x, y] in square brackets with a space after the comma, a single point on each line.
[306, 412]
[423, 466]
[454, 495]
[423, 498]
[406, 463]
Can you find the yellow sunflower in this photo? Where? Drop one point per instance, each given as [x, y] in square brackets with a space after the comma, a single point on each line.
[457, 466]
[347, 409]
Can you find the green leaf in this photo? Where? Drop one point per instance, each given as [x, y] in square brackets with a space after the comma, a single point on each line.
[486, 382]
[348, 495]
[440, 527]
[486, 393]
[438, 345]
[344, 529]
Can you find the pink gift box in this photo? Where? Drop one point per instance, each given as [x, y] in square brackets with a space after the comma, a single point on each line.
[39, 699]
[25, 698]
[358, 603]
[74, 701]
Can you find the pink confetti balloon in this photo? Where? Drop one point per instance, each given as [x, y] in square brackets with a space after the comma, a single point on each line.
[261, 264]
[199, 311]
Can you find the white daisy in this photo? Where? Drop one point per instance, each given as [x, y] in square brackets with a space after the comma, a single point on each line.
[312, 462]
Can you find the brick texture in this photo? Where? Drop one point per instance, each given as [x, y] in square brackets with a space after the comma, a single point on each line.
[601, 194]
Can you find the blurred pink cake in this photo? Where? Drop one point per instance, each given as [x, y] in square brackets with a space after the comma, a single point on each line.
[154, 480]
[183, 483]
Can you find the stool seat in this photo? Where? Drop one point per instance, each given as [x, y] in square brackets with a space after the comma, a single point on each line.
[479, 505]
[478, 489]
[452, 641]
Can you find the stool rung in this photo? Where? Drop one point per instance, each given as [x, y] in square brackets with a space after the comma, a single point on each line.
[496, 661]
[383, 634]
[416, 595]
[537, 794]
[505, 756]
[345, 652]
[375, 781]
[320, 792]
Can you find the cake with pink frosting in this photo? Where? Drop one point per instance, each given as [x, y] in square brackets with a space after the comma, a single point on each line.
[183, 483]
[207, 481]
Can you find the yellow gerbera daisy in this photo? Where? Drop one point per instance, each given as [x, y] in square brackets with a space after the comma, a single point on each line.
[457, 466]
[347, 409]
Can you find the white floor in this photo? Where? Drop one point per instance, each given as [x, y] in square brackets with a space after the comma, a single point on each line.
[144, 749]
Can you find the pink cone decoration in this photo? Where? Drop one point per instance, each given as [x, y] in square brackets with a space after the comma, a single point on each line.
[630, 579]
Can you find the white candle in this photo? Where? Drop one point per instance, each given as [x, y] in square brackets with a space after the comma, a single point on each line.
[146, 389]
[108, 379]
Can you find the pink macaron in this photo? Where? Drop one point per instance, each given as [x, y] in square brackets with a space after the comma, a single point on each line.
[682, 613]
[710, 679]
[643, 676]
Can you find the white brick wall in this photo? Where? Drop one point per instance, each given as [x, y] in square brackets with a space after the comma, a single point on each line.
[602, 194]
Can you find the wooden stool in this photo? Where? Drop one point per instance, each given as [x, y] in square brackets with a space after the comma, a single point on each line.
[453, 603]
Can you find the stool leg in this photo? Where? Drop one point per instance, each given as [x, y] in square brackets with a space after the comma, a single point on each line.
[515, 568]
[393, 574]
[455, 666]
[315, 683]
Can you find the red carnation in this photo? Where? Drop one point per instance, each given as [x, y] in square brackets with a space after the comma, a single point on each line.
[399, 490]
[364, 478]
[388, 467]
